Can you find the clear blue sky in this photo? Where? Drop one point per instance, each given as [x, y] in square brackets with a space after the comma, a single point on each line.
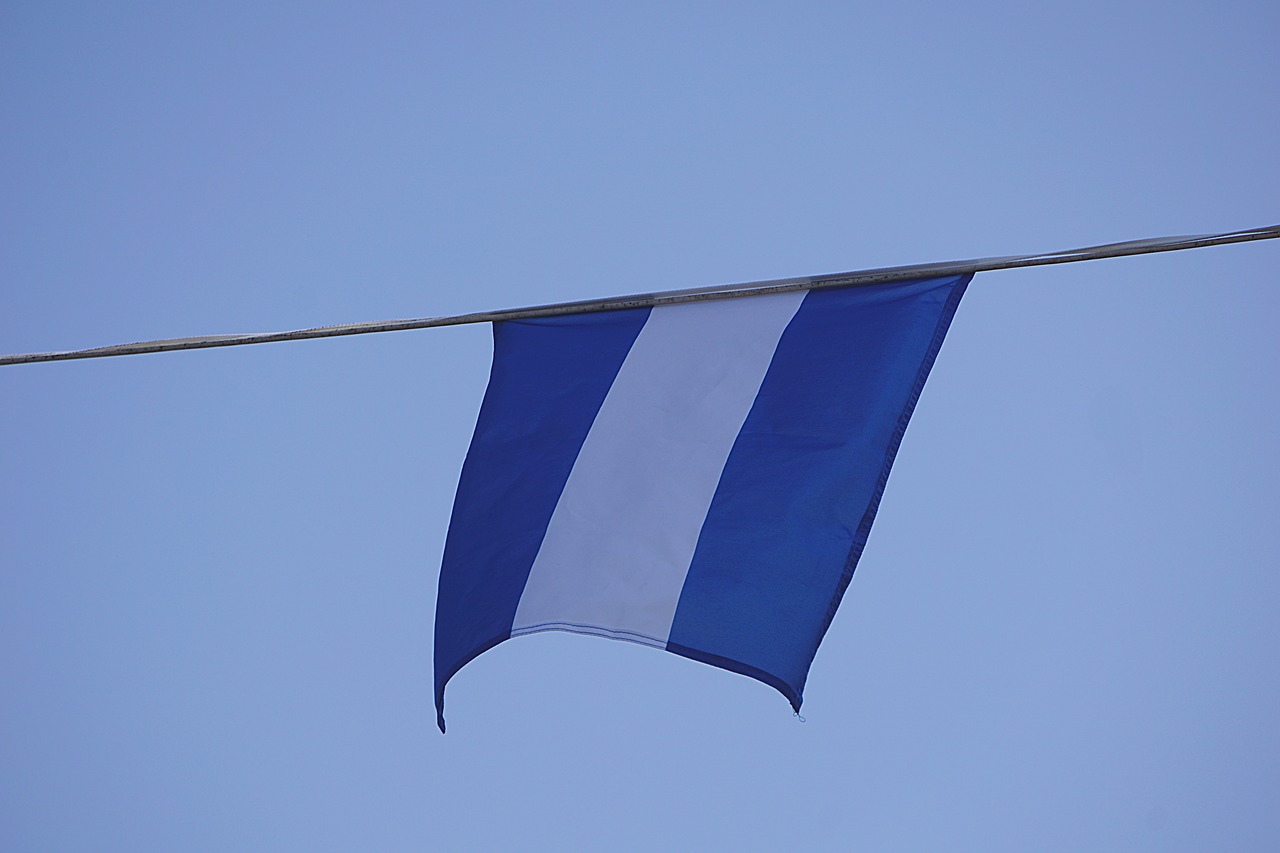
[218, 568]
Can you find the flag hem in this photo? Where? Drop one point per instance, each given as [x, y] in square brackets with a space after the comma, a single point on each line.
[715, 660]
[456, 668]
[891, 452]
[741, 668]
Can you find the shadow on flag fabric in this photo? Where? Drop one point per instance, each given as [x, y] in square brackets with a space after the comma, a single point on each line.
[700, 477]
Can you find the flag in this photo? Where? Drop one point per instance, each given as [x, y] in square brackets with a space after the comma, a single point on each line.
[697, 477]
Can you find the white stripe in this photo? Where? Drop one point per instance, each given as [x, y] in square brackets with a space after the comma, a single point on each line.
[616, 552]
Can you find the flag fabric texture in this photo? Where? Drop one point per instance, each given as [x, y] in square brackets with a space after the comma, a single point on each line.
[698, 477]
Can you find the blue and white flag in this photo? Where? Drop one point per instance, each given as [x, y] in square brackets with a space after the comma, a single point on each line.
[699, 477]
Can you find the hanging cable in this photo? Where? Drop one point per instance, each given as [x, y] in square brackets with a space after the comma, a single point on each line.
[671, 297]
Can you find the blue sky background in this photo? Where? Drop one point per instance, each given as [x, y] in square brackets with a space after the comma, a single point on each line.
[218, 568]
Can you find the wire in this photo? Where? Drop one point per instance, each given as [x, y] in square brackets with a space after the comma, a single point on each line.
[672, 297]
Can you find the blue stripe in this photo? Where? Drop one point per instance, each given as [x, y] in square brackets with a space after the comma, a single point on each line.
[800, 489]
[548, 380]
